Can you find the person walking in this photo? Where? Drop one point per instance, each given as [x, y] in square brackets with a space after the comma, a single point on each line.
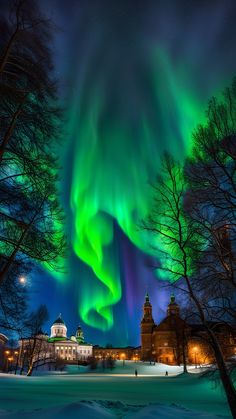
[136, 373]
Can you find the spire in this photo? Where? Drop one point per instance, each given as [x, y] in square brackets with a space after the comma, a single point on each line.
[147, 310]
[79, 335]
[147, 300]
[173, 307]
[172, 299]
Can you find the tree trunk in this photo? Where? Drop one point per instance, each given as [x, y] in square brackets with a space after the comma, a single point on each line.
[22, 358]
[184, 353]
[5, 56]
[13, 255]
[224, 373]
[10, 130]
[31, 360]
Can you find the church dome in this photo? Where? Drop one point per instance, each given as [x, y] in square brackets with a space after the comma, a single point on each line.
[58, 328]
[59, 320]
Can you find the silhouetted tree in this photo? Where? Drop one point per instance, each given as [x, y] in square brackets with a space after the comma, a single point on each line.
[31, 219]
[34, 345]
[211, 199]
[13, 301]
[179, 244]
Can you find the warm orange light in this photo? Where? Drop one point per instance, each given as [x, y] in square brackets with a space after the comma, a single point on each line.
[22, 280]
[195, 348]
[7, 352]
[16, 352]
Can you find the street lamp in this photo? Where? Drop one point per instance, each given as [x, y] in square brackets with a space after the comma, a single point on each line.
[123, 358]
[17, 360]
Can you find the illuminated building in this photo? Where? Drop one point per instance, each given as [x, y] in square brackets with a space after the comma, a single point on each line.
[58, 345]
[172, 339]
[118, 353]
[69, 349]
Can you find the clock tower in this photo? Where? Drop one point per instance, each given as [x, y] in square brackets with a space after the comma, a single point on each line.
[147, 325]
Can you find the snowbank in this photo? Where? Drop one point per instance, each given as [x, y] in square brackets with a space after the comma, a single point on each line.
[109, 410]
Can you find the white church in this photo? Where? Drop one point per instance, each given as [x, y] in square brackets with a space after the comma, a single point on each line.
[58, 345]
[69, 349]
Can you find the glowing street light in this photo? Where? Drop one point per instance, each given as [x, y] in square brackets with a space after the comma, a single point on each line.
[123, 358]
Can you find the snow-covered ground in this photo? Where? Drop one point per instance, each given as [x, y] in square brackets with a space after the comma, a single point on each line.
[125, 369]
[112, 394]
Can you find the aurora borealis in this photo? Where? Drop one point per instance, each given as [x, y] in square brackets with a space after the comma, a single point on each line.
[113, 162]
[136, 77]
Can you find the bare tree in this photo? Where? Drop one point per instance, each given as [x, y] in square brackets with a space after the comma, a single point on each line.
[31, 219]
[34, 347]
[210, 175]
[178, 244]
[13, 301]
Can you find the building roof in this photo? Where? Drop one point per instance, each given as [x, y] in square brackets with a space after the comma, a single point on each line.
[67, 340]
[171, 323]
[60, 339]
[59, 320]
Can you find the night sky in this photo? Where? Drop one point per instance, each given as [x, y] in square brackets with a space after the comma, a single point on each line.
[135, 78]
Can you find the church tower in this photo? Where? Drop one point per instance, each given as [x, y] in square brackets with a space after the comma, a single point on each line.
[79, 335]
[147, 325]
[173, 307]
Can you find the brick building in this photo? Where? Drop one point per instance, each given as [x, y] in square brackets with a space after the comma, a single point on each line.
[172, 339]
